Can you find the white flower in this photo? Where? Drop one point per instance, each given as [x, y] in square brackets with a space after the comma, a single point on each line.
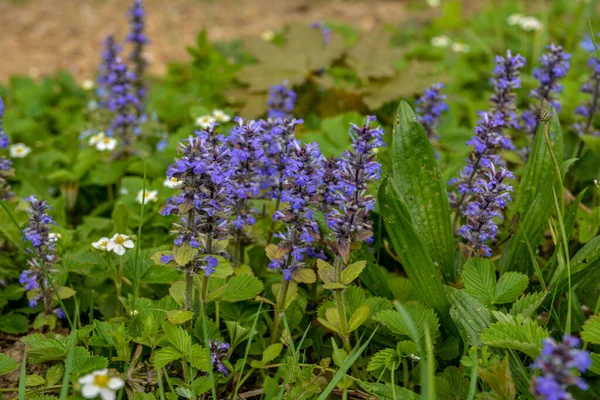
[53, 237]
[101, 244]
[205, 121]
[99, 383]
[150, 195]
[515, 19]
[95, 139]
[267, 36]
[433, 3]
[106, 144]
[172, 183]
[119, 243]
[19, 150]
[221, 116]
[88, 84]
[123, 191]
[440, 41]
[415, 357]
[458, 47]
[530, 24]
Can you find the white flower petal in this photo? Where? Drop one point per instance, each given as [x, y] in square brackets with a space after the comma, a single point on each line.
[89, 378]
[111, 245]
[129, 244]
[90, 391]
[120, 250]
[107, 394]
[116, 383]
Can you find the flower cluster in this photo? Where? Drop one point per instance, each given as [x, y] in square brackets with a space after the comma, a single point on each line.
[558, 363]
[524, 22]
[204, 202]
[144, 197]
[349, 219]
[204, 121]
[506, 79]
[123, 102]
[554, 66]
[102, 142]
[19, 150]
[444, 41]
[325, 31]
[301, 180]
[110, 53]
[490, 196]
[430, 107]
[281, 101]
[588, 111]
[488, 138]
[218, 353]
[139, 40]
[5, 163]
[118, 244]
[43, 247]
[246, 154]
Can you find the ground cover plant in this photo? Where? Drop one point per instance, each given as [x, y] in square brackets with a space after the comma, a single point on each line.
[407, 213]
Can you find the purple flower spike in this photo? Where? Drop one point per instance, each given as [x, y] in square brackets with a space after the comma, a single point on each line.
[325, 31]
[218, 353]
[281, 101]
[559, 364]
[301, 180]
[489, 199]
[487, 140]
[555, 65]
[139, 40]
[110, 53]
[123, 102]
[37, 234]
[430, 107]
[588, 111]
[506, 79]
[3, 136]
[204, 201]
[349, 219]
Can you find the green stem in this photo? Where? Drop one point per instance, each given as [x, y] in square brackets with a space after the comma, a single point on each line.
[204, 289]
[119, 285]
[341, 307]
[405, 372]
[279, 309]
[217, 312]
[188, 295]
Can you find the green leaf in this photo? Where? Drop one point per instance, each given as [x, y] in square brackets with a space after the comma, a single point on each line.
[452, 384]
[305, 275]
[535, 201]
[43, 349]
[177, 292]
[178, 337]
[326, 272]
[372, 56]
[7, 364]
[593, 142]
[237, 333]
[412, 252]
[479, 278]
[499, 378]
[184, 254]
[120, 217]
[271, 353]
[385, 392]
[352, 271]
[224, 269]
[14, 323]
[420, 314]
[84, 363]
[470, 314]
[591, 330]
[383, 359]
[358, 318]
[527, 305]
[34, 380]
[595, 368]
[510, 286]
[166, 355]
[64, 292]
[242, 287]
[199, 358]
[516, 333]
[179, 317]
[54, 374]
[421, 184]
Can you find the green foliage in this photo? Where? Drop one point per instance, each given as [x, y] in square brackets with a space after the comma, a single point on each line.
[515, 333]
[479, 279]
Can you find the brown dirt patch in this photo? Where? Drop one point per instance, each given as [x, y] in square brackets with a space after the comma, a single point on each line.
[41, 36]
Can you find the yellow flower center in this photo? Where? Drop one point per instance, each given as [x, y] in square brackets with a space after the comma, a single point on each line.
[173, 179]
[104, 243]
[120, 239]
[106, 140]
[19, 150]
[101, 380]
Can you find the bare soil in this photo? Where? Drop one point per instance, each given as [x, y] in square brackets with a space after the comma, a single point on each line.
[38, 37]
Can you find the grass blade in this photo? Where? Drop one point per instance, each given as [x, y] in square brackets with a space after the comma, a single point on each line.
[23, 375]
[136, 276]
[253, 329]
[64, 390]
